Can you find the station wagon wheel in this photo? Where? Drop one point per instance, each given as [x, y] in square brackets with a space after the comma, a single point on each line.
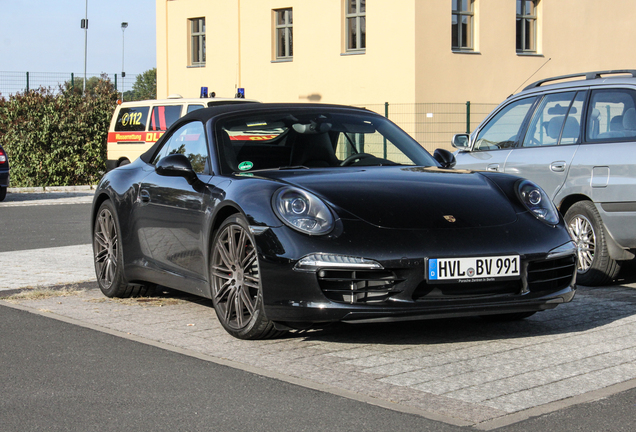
[595, 266]
[236, 283]
[107, 253]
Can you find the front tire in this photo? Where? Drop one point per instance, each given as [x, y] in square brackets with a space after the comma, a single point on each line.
[595, 266]
[108, 256]
[237, 294]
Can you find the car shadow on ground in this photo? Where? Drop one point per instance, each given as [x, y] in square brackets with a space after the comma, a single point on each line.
[591, 308]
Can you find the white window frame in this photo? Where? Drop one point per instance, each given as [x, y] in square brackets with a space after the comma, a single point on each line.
[284, 50]
[355, 19]
[527, 18]
[197, 41]
[460, 13]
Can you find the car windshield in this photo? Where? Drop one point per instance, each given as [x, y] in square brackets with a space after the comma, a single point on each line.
[290, 139]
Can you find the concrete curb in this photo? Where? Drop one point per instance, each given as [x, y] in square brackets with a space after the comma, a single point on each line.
[40, 189]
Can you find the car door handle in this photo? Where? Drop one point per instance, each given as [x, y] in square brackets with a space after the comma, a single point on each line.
[558, 166]
[144, 195]
[493, 167]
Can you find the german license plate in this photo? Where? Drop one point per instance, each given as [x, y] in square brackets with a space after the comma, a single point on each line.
[477, 269]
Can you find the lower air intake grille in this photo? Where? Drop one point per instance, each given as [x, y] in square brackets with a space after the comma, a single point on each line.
[551, 274]
[358, 286]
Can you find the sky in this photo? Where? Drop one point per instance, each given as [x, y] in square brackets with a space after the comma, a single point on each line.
[46, 36]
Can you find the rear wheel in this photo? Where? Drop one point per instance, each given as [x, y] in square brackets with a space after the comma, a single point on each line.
[236, 283]
[595, 266]
[3, 193]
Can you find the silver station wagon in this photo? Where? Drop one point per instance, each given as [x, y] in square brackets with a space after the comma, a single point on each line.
[575, 136]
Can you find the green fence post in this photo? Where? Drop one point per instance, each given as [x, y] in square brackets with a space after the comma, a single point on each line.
[115, 82]
[467, 117]
[72, 81]
[27, 77]
[386, 114]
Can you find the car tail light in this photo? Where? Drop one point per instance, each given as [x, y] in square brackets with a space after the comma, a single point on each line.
[3, 157]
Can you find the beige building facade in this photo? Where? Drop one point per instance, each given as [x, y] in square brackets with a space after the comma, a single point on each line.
[375, 51]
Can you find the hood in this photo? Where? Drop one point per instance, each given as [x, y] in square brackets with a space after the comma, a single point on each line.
[407, 198]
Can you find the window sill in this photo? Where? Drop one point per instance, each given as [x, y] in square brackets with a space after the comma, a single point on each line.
[470, 52]
[529, 54]
[197, 66]
[348, 53]
[283, 60]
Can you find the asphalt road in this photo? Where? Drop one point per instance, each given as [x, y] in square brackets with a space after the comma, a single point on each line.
[60, 376]
[34, 227]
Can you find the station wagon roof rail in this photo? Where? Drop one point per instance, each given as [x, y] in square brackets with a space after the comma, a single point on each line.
[587, 75]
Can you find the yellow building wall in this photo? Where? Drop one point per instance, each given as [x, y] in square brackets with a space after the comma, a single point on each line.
[239, 39]
[574, 35]
[408, 61]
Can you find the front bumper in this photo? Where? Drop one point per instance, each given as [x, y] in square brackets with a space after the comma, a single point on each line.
[400, 291]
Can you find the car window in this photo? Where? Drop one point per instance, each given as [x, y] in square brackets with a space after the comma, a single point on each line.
[188, 140]
[373, 143]
[315, 140]
[132, 119]
[549, 118]
[163, 117]
[503, 129]
[611, 115]
[194, 108]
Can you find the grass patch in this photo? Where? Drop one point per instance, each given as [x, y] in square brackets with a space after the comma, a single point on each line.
[42, 293]
[140, 301]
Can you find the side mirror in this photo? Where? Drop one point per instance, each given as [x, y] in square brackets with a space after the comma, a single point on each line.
[461, 142]
[176, 165]
[444, 157]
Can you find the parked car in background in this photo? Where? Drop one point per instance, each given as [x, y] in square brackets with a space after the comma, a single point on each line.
[291, 215]
[136, 126]
[576, 138]
[4, 173]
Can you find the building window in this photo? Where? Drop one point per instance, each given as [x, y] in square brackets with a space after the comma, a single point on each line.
[284, 34]
[356, 28]
[197, 42]
[462, 25]
[527, 26]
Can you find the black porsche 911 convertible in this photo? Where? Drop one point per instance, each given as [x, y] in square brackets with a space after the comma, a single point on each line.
[295, 215]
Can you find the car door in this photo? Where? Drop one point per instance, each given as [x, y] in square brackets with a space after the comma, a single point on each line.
[550, 142]
[172, 210]
[604, 168]
[497, 137]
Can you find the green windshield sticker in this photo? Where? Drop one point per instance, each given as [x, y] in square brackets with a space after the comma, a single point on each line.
[244, 166]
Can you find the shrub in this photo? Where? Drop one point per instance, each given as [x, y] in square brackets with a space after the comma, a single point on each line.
[57, 138]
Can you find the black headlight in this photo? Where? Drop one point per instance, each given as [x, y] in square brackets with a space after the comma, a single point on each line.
[302, 211]
[537, 202]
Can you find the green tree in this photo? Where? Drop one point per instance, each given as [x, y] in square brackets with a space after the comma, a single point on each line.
[145, 86]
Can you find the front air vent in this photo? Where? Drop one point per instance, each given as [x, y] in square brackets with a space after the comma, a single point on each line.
[358, 286]
[551, 274]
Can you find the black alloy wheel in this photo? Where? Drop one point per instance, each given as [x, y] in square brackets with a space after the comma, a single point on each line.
[236, 283]
[108, 256]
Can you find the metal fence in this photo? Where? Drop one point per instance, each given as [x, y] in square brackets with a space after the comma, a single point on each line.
[434, 124]
[431, 124]
[16, 82]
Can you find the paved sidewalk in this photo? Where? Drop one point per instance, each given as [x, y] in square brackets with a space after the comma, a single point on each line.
[18, 197]
[44, 267]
